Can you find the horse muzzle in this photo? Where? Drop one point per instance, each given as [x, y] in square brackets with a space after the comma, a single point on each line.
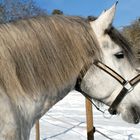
[128, 86]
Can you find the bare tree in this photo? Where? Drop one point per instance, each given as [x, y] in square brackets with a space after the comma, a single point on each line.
[17, 9]
[132, 33]
[57, 12]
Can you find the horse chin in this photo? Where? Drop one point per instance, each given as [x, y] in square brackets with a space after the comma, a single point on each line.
[131, 115]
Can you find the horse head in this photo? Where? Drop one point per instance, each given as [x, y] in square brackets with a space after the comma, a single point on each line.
[117, 55]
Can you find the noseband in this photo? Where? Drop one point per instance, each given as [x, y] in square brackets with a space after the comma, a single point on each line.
[128, 86]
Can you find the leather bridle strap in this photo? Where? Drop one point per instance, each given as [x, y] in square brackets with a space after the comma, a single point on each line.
[128, 86]
[111, 72]
[135, 80]
[78, 86]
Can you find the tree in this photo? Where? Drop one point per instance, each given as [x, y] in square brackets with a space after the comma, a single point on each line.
[17, 9]
[57, 12]
[132, 33]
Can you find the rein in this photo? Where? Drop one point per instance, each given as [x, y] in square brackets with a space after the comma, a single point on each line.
[128, 86]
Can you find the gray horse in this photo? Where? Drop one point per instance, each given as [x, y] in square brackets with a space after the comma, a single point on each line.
[41, 59]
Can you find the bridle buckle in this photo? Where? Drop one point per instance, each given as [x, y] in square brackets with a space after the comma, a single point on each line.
[128, 86]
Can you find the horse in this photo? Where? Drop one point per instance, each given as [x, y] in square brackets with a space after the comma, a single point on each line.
[42, 58]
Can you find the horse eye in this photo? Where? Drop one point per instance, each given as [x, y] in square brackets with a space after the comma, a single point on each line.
[119, 55]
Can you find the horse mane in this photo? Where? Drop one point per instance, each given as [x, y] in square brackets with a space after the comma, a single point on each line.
[45, 53]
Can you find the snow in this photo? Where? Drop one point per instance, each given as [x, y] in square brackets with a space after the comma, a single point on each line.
[67, 121]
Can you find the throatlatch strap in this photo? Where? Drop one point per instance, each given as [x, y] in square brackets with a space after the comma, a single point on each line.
[81, 76]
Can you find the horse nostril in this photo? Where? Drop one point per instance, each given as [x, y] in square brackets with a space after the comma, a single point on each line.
[137, 121]
[112, 111]
[136, 115]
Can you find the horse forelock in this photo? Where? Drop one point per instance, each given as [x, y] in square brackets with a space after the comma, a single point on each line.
[119, 39]
[47, 52]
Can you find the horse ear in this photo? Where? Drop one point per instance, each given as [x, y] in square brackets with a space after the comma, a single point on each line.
[104, 21]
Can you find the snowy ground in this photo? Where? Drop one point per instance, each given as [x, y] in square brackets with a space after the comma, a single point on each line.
[67, 121]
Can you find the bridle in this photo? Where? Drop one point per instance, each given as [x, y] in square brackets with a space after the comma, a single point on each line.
[128, 86]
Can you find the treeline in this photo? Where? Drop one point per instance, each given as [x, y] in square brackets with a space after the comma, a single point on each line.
[132, 33]
[17, 9]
